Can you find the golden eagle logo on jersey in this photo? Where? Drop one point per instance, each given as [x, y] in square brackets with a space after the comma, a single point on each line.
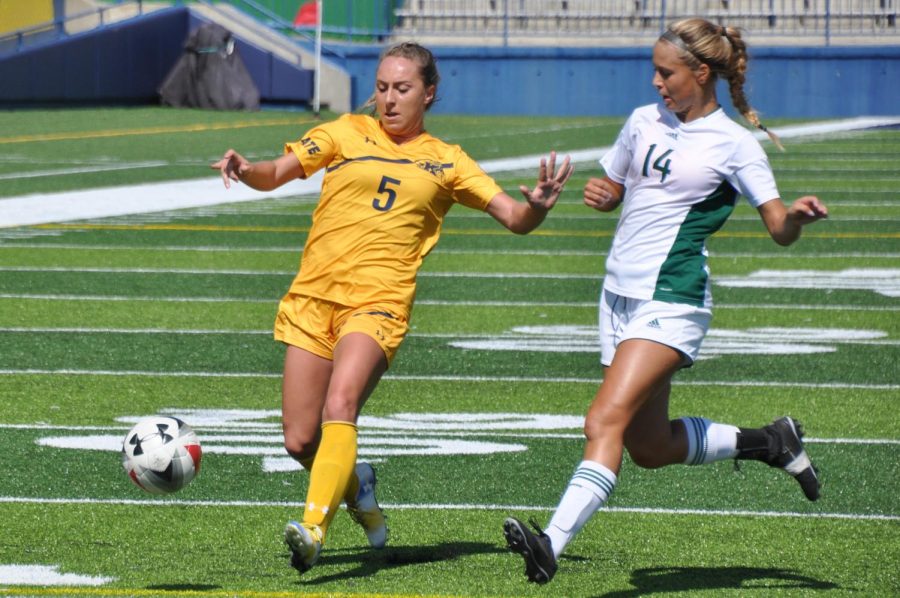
[430, 166]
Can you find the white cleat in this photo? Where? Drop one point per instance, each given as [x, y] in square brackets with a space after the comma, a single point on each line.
[365, 510]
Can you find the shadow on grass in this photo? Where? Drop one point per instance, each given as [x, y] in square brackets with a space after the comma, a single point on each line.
[184, 587]
[366, 561]
[683, 579]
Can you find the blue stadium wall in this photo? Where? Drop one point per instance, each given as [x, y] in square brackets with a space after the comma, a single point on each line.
[798, 82]
[125, 63]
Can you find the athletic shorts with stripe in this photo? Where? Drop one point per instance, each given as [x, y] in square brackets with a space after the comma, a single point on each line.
[317, 325]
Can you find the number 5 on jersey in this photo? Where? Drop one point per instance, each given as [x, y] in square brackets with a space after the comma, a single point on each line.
[388, 191]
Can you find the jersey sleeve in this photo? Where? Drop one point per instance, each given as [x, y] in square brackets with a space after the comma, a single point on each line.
[618, 159]
[316, 149]
[753, 176]
[472, 187]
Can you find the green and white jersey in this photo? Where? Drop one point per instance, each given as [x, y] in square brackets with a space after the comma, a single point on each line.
[681, 184]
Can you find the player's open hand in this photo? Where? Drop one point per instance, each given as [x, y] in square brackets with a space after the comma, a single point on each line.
[807, 209]
[550, 183]
[232, 166]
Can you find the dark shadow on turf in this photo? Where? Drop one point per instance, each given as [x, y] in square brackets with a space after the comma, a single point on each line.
[367, 561]
[685, 579]
[184, 587]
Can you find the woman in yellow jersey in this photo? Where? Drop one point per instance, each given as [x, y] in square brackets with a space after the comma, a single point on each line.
[387, 186]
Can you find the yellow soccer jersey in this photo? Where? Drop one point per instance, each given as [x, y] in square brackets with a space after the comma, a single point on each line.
[381, 208]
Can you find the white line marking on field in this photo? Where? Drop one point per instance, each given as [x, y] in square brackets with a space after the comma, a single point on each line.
[432, 302]
[553, 380]
[567, 339]
[168, 502]
[230, 249]
[84, 169]
[157, 197]
[212, 272]
[209, 429]
[46, 575]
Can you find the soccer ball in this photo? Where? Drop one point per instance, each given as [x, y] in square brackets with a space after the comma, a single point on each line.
[161, 454]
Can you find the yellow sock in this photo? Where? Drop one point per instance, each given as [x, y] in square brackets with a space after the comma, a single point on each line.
[352, 484]
[333, 467]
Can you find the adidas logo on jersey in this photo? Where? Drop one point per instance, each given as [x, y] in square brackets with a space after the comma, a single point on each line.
[654, 323]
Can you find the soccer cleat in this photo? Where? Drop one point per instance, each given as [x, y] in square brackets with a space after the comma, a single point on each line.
[365, 510]
[305, 542]
[790, 456]
[540, 562]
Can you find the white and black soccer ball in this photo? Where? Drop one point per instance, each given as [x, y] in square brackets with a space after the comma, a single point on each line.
[161, 454]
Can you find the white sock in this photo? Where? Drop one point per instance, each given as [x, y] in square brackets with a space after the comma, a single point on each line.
[709, 441]
[588, 490]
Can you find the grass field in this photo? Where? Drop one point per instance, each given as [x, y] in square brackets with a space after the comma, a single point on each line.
[107, 320]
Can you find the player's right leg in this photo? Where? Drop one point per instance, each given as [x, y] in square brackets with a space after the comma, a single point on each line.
[304, 387]
[628, 383]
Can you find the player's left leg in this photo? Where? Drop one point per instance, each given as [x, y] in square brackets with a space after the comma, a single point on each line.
[654, 441]
[359, 363]
[780, 444]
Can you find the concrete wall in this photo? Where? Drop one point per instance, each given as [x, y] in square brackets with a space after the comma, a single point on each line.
[782, 82]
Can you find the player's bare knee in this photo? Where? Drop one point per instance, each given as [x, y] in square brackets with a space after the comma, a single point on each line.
[647, 456]
[341, 407]
[301, 447]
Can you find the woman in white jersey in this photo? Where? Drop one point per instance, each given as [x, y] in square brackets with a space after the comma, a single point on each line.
[677, 168]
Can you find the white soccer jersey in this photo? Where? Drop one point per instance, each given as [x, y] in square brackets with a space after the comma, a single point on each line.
[681, 184]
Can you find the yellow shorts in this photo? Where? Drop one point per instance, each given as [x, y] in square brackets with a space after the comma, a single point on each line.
[317, 325]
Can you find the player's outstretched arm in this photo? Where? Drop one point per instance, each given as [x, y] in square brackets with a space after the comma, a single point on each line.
[785, 224]
[262, 176]
[522, 218]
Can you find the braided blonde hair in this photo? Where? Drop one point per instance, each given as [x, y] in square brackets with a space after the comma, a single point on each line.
[725, 52]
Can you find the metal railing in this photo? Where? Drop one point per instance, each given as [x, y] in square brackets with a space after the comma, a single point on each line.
[587, 22]
[515, 21]
[533, 22]
[59, 28]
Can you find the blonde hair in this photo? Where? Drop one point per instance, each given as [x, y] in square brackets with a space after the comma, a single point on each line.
[724, 51]
[418, 54]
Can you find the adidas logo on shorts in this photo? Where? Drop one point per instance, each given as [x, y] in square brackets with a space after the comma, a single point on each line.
[654, 323]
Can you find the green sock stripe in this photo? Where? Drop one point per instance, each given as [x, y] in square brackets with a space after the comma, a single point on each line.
[599, 482]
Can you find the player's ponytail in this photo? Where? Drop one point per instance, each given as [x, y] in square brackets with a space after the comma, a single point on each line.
[724, 50]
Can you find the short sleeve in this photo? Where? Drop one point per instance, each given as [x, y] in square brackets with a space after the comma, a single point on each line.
[753, 176]
[472, 187]
[618, 159]
[315, 150]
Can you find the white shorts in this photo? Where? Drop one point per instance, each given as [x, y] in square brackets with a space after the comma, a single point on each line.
[675, 325]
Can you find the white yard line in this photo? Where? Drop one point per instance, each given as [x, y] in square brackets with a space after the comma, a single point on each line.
[42, 208]
[442, 507]
[425, 378]
[231, 249]
[431, 302]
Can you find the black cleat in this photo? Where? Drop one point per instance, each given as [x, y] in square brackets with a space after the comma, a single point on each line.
[540, 563]
[790, 456]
